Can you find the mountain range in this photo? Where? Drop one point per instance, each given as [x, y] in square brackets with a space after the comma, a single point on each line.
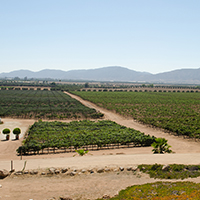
[115, 73]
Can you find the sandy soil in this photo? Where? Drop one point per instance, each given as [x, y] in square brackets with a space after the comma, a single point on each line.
[87, 186]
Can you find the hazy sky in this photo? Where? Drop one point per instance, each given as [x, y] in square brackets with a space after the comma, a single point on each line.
[143, 35]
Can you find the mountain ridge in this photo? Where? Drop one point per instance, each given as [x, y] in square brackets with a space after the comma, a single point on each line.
[111, 73]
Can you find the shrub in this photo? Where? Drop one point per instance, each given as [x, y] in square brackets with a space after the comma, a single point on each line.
[6, 131]
[17, 131]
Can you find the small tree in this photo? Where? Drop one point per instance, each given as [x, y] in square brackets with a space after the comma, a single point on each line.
[160, 146]
[6, 131]
[17, 131]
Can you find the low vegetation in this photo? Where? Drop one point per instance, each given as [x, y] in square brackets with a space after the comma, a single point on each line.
[161, 191]
[42, 105]
[175, 112]
[173, 171]
[160, 146]
[83, 134]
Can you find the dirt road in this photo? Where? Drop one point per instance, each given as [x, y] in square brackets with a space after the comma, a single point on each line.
[179, 145]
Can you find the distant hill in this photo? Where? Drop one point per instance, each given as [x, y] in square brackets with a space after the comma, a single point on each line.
[115, 73]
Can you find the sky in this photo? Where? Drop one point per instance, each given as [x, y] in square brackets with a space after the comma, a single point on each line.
[143, 35]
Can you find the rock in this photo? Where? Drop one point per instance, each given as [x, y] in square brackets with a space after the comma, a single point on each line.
[52, 170]
[129, 168]
[68, 173]
[83, 170]
[115, 170]
[105, 196]
[18, 173]
[175, 192]
[134, 168]
[43, 173]
[0, 186]
[107, 170]
[35, 172]
[65, 198]
[165, 168]
[26, 172]
[121, 169]
[3, 173]
[57, 171]
[100, 170]
[193, 168]
[73, 173]
[91, 171]
[64, 170]
[75, 170]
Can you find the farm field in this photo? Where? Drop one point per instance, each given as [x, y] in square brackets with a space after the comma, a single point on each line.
[37, 104]
[175, 112]
[81, 134]
[96, 185]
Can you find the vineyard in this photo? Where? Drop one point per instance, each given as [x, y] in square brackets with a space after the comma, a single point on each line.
[42, 105]
[47, 137]
[175, 112]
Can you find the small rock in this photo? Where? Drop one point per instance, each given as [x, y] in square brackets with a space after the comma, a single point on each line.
[105, 196]
[65, 198]
[52, 170]
[43, 173]
[3, 173]
[107, 170]
[121, 169]
[18, 173]
[91, 171]
[129, 168]
[64, 170]
[134, 168]
[193, 168]
[68, 173]
[83, 170]
[26, 172]
[165, 168]
[73, 173]
[175, 192]
[31, 172]
[115, 170]
[57, 171]
[0, 186]
[35, 172]
[100, 170]
[75, 170]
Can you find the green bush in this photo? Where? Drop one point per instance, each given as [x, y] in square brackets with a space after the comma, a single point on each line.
[6, 131]
[17, 131]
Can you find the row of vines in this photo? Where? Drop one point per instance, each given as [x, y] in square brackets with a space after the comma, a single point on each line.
[176, 112]
[42, 105]
[46, 137]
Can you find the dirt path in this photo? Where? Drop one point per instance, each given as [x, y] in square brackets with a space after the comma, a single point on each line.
[179, 145]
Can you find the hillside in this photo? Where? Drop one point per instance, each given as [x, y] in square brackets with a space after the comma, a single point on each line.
[115, 73]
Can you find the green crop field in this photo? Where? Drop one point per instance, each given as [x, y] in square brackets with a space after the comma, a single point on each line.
[42, 105]
[175, 112]
[81, 134]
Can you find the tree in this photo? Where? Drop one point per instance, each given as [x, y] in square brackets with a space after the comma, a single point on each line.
[6, 131]
[17, 131]
[87, 85]
[160, 146]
